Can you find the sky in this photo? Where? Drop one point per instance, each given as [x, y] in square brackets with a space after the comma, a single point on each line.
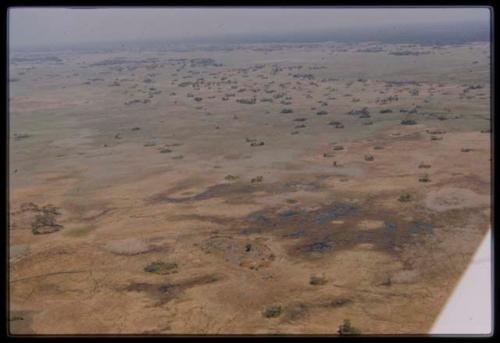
[51, 26]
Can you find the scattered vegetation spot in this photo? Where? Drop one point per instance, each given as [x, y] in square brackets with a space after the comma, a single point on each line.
[317, 280]
[347, 329]
[163, 268]
[272, 311]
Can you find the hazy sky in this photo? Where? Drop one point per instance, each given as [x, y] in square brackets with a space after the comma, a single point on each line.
[40, 26]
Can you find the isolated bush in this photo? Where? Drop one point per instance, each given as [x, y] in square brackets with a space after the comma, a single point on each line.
[347, 329]
[159, 267]
[404, 197]
[272, 311]
[317, 280]
[408, 122]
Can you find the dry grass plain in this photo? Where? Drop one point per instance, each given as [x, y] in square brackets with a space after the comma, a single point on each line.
[245, 190]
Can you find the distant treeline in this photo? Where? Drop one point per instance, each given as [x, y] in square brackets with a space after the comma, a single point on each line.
[424, 34]
[437, 34]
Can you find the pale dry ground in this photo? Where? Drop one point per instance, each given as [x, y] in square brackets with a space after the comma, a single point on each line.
[239, 246]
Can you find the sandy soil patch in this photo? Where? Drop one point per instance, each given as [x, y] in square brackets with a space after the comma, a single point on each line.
[405, 276]
[450, 198]
[129, 246]
[17, 252]
[370, 224]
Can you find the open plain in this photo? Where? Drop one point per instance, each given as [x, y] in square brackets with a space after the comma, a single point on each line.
[245, 189]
